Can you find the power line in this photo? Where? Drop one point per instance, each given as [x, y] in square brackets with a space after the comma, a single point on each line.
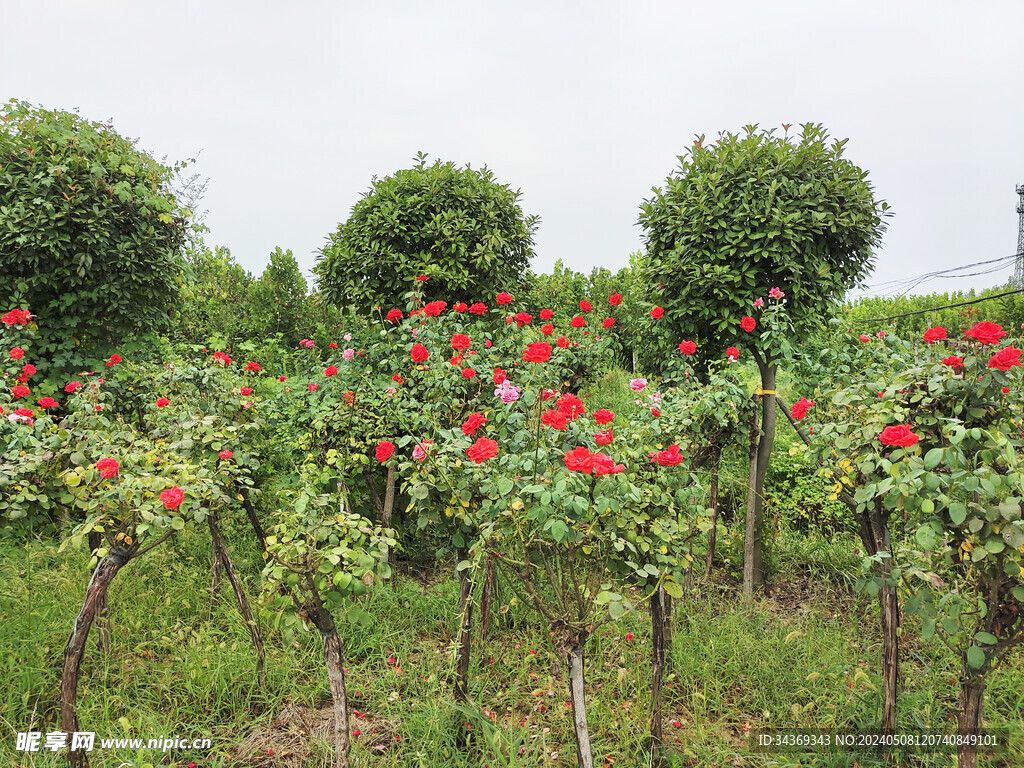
[902, 283]
[936, 309]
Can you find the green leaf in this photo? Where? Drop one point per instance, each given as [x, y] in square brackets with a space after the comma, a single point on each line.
[957, 513]
[986, 637]
[975, 657]
[933, 458]
[673, 589]
[616, 610]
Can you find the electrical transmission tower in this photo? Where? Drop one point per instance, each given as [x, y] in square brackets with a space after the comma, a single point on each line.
[1018, 274]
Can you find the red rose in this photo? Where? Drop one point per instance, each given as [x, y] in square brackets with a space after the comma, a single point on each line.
[311, 387]
[487, 343]
[163, 402]
[460, 307]
[503, 298]
[419, 353]
[468, 373]
[114, 360]
[986, 333]
[282, 378]
[435, 308]
[571, 406]
[604, 438]
[482, 450]
[953, 361]
[546, 314]
[554, 419]
[421, 278]
[577, 322]
[748, 323]
[246, 391]
[172, 497]
[1006, 390]
[523, 318]
[670, 457]
[865, 338]
[16, 317]
[472, 423]
[397, 378]
[253, 366]
[548, 329]
[579, 460]
[1005, 359]
[73, 386]
[478, 309]
[537, 352]
[655, 412]
[108, 467]
[330, 370]
[225, 454]
[20, 390]
[460, 341]
[687, 347]
[603, 416]
[585, 305]
[900, 435]
[332, 345]
[394, 315]
[615, 299]
[349, 397]
[47, 402]
[800, 408]
[498, 376]
[935, 334]
[657, 313]
[562, 342]
[28, 369]
[547, 394]
[732, 353]
[17, 353]
[608, 322]
[384, 450]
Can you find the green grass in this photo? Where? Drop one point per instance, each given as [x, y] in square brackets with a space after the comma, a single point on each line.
[804, 656]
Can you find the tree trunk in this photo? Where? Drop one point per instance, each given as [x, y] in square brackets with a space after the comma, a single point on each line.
[334, 659]
[874, 533]
[240, 596]
[972, 699]
[713, 464]
[465, 634]
[253, 519]
[102, 620]
[574, 660]
[657, 671]
[215, 571]
[487, 595]
[389, 506]
[752, 538]
[104, 573]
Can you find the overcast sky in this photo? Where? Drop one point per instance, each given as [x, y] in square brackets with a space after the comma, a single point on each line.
[291, 108]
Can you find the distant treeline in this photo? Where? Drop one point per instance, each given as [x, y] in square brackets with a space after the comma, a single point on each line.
[933, 309]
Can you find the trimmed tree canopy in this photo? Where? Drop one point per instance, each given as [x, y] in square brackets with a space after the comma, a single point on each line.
[90, 235]
[755, 211]
[459, 227]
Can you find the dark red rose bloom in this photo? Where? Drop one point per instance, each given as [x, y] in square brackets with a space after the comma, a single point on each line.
[732, 353]
[546, 314]
[747, 323]
[901, 436]
[435, 308]
[670, 457]
[579, 460]
[603, 416]
[571, 406]
[604, 438]
[615, 299]
[554, 419]
[935, 334]
[20, 390]
[394, 315]
[499, 376]
[460, 307]
[800, 408]
[245, 391]
[460, 341]
[953, 361]
[253, 366]
[687, 347]
[562, 342]
[548, 329]
[468, 373]
[172, 497]
[657, 313]
[47, 402]
[503, 298]
[478, 309]
[523, 318]
[577, 322]
[330, 370]
[585, 305]
[608, 322]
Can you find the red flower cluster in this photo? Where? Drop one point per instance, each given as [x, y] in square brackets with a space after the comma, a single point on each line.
[986, 333]
[478, 308]
[546, 314]
[163, 402]
[732, 353]
[548, 329]
[114, 360]
[585, 305]
[20, 390]
[472, 423]
[608, 322]
[657, 313]
[536, 352]
[419, 353]
[253, 366]
[421, 278]
[562, 342]
[219, 357]
[901, 436]
[498, 375]
[953, 361]
[603, 416]
[482, 450]
[937, 333]
[577, 322]
[74, 386]
[16, 317]
[571, 406]
[460, 341]
[47, 402]
[17, 353]
[468, 373]
[605, 437]
[435, 308]
[394, 315]
[747, 323]
[460, 306]
[523, 318]
[172, 497]
[503, 298]
[554, 419]
[384, 450]
[687, 347]
[330, 370]
[615, 299]
[582, 460]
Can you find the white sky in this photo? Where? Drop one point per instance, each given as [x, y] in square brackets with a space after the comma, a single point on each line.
[291, 108]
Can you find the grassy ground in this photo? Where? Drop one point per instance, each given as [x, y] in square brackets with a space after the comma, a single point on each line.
[805, 655]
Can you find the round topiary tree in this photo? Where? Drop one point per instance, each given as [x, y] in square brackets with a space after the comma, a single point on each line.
[459, 227]
[91, 235]
[744, 214]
